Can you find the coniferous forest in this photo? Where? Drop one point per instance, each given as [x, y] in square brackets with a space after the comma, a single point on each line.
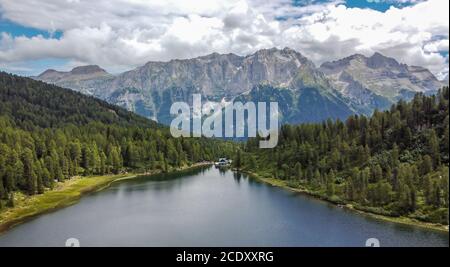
[393, 163]
[50, 134]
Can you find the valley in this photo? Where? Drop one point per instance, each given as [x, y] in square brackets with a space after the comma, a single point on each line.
[58, 145]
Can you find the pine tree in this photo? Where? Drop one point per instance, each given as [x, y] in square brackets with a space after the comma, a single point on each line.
[166, 165]
[75, 153]
[2, 189]
[445, 186]
[286, 171]
[394, 156]
[433, 148]
[427, 190]
[317, 178]
[40, 185]
[57, 171]
[103, 168]
[252, 165]
[446, 138]
[377, 173]
[87, 159]
[116, 161]
[330, 183]
[238, 159]
[47, 181]
[436, 194]
[28, 173]
[298, 171]
[10, 202]
[426, 165]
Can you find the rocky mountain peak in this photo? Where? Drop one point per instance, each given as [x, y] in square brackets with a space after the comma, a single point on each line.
[89, 69]
[87, 73]
[377, 60]
[49, 73]
[379, 76]
[340, 64]
[280, 57]
[275, 51]
[356, 83]
[216, 57]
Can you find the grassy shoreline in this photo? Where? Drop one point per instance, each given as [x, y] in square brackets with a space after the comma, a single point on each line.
[400, 220]
[64, 194]
[70, 192]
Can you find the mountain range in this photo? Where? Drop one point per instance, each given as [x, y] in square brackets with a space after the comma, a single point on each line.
[306, 93]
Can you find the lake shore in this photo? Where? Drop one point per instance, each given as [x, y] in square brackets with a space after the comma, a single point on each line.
[70, 192]
[65, 194]
[400, 220]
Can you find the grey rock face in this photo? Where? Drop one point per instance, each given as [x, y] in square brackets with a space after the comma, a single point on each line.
[215, 74]
[356, 84]
[85, 79]
[378, 75]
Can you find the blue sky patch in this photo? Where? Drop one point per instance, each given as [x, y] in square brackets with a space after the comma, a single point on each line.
[103, 49]
[18, 30]
[380, 5]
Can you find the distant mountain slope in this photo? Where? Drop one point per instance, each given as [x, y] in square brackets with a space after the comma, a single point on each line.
[84, 78]
[300, 106]
[46, 105]
[216, 74]
[356, 84]
[48, 134]
[372, 80]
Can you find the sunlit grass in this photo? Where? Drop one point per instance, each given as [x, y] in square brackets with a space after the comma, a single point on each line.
[64, 194]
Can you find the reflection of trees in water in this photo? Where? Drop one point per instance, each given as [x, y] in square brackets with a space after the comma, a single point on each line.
[237, 176]
[222, 171]
[164, 181]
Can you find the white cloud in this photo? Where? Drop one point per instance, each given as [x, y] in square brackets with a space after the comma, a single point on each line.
[436, 46]
[407, 34]
[122, 34]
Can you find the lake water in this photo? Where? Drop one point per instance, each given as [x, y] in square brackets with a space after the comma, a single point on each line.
[209, 207]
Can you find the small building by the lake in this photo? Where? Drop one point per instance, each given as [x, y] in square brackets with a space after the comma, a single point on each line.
[223, 162]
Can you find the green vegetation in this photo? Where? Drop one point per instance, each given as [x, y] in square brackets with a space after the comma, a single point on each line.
[50, 134]
[394, 163]
[64, 194]
[300, 106]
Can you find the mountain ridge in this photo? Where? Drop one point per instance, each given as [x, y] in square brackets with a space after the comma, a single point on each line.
[362, 83]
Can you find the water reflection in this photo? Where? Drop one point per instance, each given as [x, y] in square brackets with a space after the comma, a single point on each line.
[209, 207]
[237, 176]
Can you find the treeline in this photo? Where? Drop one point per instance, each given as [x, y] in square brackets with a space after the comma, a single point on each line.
[49, 134]
[393, 163]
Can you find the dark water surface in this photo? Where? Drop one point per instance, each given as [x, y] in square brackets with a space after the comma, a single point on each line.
[208, 207]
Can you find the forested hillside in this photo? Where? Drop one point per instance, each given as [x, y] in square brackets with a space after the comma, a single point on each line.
[50, 134]
[393, 163]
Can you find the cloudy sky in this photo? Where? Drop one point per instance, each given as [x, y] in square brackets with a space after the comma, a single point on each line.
[122, 34]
